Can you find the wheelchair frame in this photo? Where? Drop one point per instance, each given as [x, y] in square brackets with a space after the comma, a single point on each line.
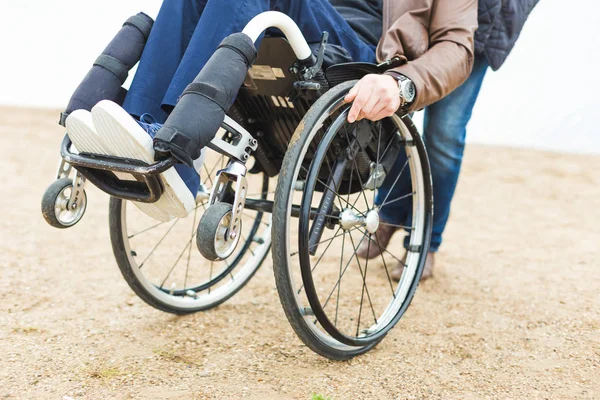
[239, 145]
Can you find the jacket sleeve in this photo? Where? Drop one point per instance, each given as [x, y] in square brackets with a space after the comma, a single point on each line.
[449, 60]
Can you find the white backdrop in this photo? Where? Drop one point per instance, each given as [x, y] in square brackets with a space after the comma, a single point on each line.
[545, 96]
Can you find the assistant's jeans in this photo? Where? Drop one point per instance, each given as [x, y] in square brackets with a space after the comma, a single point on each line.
[444, 132]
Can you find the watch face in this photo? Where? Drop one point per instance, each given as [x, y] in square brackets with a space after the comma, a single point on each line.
[409, 91]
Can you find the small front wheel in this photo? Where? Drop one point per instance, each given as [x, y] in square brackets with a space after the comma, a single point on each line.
[215, 239]
[55, 204]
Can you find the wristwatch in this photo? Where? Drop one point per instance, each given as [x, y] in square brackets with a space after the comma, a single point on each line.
[408, 91]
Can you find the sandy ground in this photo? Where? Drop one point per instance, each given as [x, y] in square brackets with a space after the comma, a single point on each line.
[513, 311]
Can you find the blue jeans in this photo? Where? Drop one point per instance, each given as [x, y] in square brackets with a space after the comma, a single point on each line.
[444, 132]
[187, 32]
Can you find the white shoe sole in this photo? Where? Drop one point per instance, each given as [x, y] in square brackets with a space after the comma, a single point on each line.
[82, 133]
[123, 135]
[86, 139]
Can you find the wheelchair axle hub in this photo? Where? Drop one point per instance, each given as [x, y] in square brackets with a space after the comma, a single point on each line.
[349, 219]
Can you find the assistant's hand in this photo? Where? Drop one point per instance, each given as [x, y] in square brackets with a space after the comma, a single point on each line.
[374, 96]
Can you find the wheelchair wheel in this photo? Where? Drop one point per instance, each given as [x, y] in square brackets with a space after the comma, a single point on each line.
[160, 261]
[55, 204]
[338, 304]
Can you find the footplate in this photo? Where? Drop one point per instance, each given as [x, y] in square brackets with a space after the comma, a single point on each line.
[142, 183]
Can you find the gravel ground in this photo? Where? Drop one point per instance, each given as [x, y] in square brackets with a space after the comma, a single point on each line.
[513, 310]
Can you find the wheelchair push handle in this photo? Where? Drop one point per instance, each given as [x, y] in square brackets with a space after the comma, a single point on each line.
[310, 64]
[276, 19]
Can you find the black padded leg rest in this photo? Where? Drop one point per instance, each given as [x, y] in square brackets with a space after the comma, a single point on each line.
[110, 70]
[202, 107]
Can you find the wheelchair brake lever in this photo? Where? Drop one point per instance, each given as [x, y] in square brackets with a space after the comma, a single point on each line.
[310, 72]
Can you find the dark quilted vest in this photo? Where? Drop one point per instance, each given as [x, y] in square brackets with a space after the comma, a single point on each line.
[500, 23]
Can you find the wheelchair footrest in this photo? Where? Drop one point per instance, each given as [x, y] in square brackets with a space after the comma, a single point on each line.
[107, 172]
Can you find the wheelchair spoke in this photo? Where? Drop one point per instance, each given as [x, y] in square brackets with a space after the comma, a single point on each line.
[209, 174]
[408, 228]
[245, 240]
[334, 192]
[362, 191]
[324, 251]
[396, 181]
[334, 183]
[326, 248]
[387, 147]
[344, 271]
[145, 230]
[187, 268]
[324, 215]
[337, 301]
[385, 250]
[158, 244]
[351, 176]
[329, 239]
[176, 261]
[377, 157]
[365, 289]
[213, 169]
[395, 200]
[385, 268]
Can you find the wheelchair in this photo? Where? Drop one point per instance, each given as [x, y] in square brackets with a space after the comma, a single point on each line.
[290, 123]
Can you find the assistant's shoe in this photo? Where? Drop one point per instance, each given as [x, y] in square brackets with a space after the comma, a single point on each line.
[86, 139]
[396, 273]
[125, 135]
[378, 242]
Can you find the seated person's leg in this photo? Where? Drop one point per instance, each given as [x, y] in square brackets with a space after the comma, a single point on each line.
[222, 18]
[106, 77]
[166, 46]
[217, 21]
[169, 36]
[186, 131]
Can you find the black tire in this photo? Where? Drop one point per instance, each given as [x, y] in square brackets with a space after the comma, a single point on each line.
[207, 230]
[175, 302]
[301, 144]
[54, 194]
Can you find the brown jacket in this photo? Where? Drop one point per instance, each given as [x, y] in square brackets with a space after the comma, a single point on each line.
[436, 38]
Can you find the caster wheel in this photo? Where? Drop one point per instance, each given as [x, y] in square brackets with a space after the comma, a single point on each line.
[214, 238]
[55, 204]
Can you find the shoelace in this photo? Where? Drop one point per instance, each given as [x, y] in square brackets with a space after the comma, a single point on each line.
[149, 124]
